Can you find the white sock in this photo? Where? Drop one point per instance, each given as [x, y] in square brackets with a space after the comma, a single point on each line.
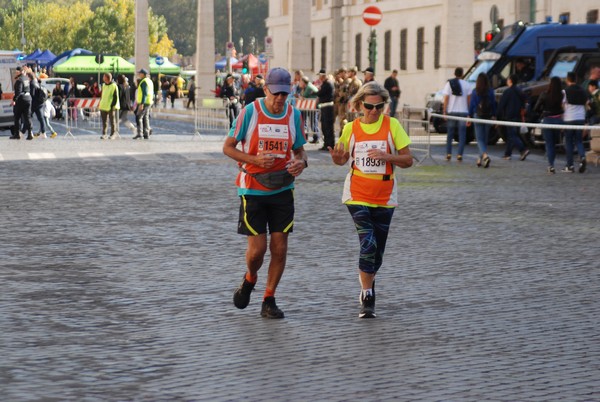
[367, 292]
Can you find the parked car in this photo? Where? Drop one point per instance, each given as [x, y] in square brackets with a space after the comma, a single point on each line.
[50, 83]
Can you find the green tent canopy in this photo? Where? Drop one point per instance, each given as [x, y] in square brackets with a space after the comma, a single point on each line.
[168, 67]
[88, 65]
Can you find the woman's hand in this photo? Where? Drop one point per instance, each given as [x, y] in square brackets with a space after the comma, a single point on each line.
[378, 154]
[338, 153]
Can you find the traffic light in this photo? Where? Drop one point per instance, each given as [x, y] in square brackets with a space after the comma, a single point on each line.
[491, 34]
[245, 67]
[373, 49]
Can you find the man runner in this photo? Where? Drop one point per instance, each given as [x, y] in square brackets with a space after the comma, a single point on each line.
[271, 156]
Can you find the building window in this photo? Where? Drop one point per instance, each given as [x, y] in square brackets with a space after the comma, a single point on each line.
[437, 47]
[592, 17]
[387, 43]
[324, 52]
[477, 32]
[357, 50]
[403, 45]
[420, 48]
[312, 54]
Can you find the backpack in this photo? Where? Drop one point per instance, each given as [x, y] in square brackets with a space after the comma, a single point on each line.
[40, 95]
[455, 86]
[484, 108]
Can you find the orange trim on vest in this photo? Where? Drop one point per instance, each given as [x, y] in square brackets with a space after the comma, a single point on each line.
[372, 188]
[267, 137]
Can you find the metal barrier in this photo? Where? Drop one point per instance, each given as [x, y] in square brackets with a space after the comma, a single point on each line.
[420, 137]
[212, 116]
[77, 110]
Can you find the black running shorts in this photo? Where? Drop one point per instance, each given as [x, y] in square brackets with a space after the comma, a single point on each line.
[259, 211]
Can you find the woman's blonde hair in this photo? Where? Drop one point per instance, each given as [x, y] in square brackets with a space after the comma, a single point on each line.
[372, 88]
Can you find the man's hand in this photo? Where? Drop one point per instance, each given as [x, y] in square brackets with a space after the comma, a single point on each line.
[264, 160]
[295, 167]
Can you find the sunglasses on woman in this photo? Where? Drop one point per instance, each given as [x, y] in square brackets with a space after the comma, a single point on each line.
[370, 106]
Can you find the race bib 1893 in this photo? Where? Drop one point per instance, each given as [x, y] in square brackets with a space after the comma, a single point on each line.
[362, 160]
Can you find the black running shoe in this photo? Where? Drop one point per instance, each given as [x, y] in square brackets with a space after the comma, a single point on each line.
[582, 165]
[241, 296]
[269, 309]
[367, 310]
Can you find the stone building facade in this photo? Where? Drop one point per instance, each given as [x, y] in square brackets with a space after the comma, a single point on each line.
[423, 39]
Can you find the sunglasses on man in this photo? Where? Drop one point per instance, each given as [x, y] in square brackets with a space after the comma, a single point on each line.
[370, 106]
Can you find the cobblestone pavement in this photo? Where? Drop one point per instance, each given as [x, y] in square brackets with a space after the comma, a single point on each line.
[117, 271]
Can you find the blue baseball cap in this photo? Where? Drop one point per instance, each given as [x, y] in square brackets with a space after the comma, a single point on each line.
[279, 80]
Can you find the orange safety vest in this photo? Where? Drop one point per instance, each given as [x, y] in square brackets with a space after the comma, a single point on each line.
[269, 135]
[371, 181]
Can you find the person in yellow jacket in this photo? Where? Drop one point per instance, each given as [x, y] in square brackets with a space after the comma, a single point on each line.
[372, 146]
[144, 96]
[109, 104]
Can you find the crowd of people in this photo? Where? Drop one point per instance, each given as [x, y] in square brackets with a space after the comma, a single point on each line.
[574, 105]
[332, 92]
[117, 97]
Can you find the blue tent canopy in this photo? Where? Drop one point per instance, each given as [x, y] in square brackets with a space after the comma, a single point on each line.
[44, 58]
[33, 55]
[219, 65]
[64, 56]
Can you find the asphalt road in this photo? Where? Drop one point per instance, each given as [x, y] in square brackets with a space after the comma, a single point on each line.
[119, 258]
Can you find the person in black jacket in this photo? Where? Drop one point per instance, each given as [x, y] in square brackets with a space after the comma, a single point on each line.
[125, 103]
[326, 105]
[21, 105]
[510, 108]
[231, 93]
[38, 98]
[550, 105]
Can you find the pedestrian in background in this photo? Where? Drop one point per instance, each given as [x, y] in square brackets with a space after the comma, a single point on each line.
[164, 90]
[369, 75]
[173, 92]
[374, 145]
[191, 93]
[511, 108]
[594, 110]
[144, 96]
[271, 156]
[38, 97]
[49, 112]
[125, 102]
[550, 106]
[180, 83]
[21, 104]
[255, 89]
[109, 106]
[393, 87]
[456, 104]
[231, 94]
[482, 105]
[575, 102]
[326, 107]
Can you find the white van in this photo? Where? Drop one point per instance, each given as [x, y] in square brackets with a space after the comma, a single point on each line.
[8, 68]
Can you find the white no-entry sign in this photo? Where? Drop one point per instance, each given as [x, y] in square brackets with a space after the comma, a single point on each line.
[372, 15]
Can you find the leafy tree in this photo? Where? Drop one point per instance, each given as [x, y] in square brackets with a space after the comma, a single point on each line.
[248, 21]
[102, 26]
